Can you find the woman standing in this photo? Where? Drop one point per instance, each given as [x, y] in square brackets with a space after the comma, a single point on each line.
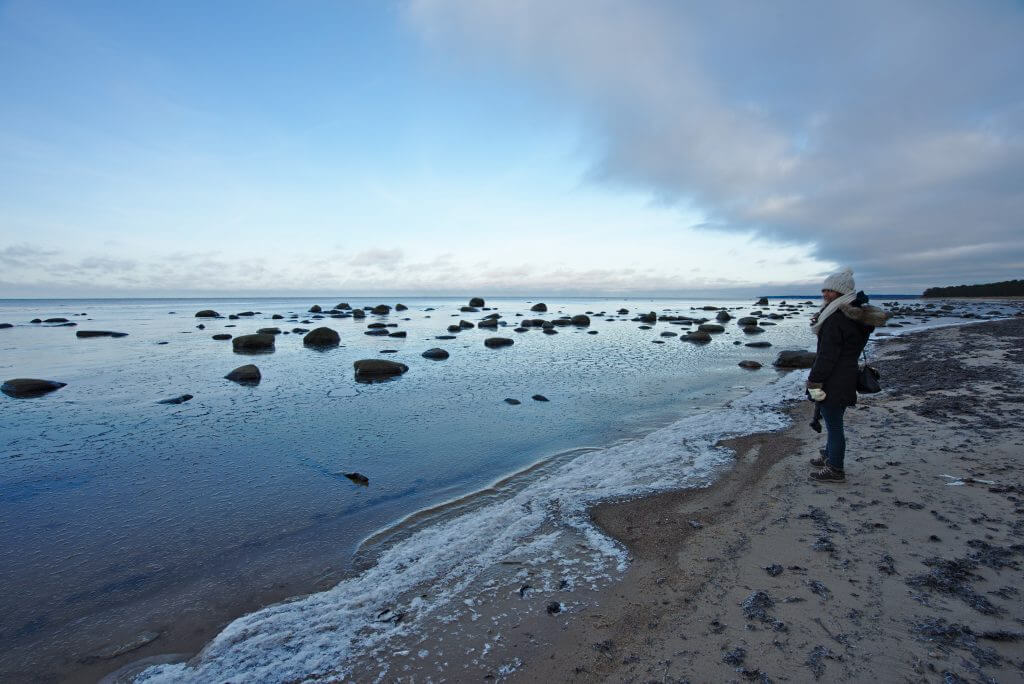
[842, 325]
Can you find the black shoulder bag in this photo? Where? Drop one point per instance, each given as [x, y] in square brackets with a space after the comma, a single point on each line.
[867, 378]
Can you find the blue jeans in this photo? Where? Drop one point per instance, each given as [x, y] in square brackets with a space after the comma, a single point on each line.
[835, 447]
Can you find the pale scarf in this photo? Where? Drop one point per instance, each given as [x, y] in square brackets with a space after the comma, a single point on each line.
[828, 310]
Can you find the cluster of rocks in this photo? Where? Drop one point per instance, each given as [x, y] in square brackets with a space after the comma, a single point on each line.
[701, 329]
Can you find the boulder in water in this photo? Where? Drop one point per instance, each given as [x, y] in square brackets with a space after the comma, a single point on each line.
[248, 374]
[253, 343]
[99, 333]
[381, 310]
[795, 358]
[581, 320]
[207, 313]
[176, 400]
[539, 307]
[750, 365]
[321, 337]
[710, 328]
[401, 307]
[222, 336]
[699, 336]
[315, 309]
[495, 342]
[476, 301]
[437, 354]
[368, 370]
[358, 478]
[24, 388]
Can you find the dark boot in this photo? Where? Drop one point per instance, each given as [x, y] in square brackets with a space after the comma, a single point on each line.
[820, 461]
[828, 474]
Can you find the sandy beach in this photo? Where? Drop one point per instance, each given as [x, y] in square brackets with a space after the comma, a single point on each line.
[909, 571]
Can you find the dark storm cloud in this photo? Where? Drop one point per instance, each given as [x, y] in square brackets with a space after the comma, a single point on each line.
[891, 135]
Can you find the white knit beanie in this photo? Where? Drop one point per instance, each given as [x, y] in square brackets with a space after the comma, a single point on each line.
[841, 282]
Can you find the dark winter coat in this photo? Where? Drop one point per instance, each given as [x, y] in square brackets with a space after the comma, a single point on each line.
[841, 339]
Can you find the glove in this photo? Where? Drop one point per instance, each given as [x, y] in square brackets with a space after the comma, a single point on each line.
[816, 394]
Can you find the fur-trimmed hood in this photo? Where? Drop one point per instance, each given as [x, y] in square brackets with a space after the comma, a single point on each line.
[866, 314]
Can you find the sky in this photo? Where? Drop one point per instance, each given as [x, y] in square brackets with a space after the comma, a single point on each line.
[488, 147]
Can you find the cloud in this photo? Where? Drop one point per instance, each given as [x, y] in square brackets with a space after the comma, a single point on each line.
[873, 130]
[25, 255]
[378, 257]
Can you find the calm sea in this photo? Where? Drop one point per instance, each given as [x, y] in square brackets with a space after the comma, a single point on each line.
[126, 521]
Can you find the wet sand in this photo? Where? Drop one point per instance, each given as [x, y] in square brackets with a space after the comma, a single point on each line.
[909, 571]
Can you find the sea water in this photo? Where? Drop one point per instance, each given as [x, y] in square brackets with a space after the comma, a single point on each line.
[121, 516]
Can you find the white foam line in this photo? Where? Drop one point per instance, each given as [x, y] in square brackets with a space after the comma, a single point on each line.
[323, 633]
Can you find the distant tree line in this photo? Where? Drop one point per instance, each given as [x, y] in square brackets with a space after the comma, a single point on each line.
[1007, 288]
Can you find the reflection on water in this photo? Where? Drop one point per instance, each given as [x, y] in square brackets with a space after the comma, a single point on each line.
[121, 516]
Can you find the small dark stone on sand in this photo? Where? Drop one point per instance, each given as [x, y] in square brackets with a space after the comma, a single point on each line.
[735, 656]
[554, 607]
[539, 397]
[513, 402]
[756, 606]
[774, 570]
[222, 336]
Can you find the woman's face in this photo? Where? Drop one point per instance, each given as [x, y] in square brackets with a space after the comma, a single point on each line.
[829, 295]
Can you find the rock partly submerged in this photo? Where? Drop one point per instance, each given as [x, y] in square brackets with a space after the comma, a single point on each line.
[437, 354]
[99, 333]
[248, 374]
[180, 399]
[253, 344]
[322, 337]
[794, 358]
[25, 388]
[207, 313]
[495, 342]
[368, 370]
